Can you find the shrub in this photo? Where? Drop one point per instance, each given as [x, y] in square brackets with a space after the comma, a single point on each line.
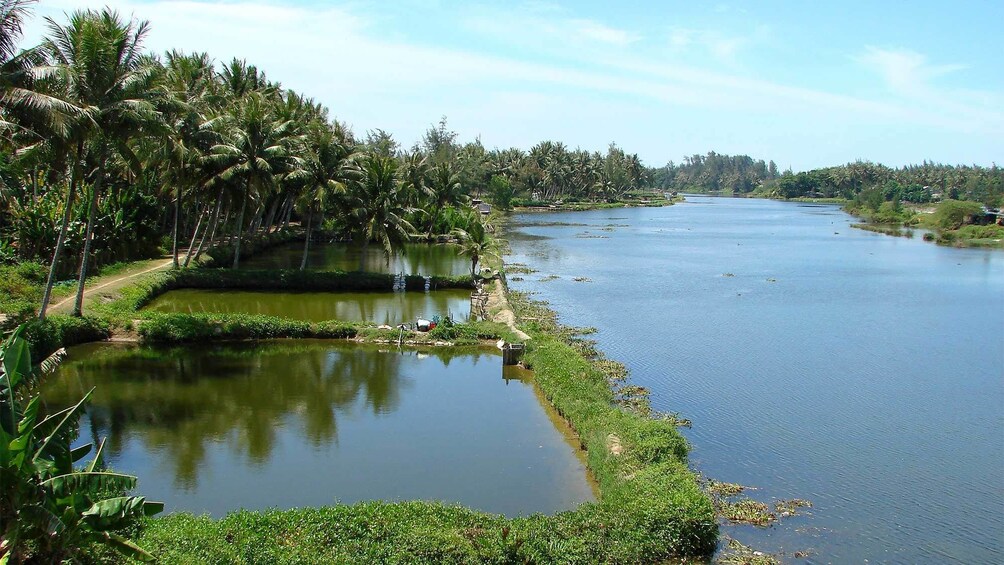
[55, 332]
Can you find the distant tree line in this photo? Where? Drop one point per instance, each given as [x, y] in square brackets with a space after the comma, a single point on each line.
[861, 180]
[867, 181]
[714, 172]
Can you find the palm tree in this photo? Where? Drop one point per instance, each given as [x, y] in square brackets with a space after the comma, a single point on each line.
[443, 188]
[253, 152]
[378, 210]
[187, 82]
[99, 59]
[327, 167]
[476, 242]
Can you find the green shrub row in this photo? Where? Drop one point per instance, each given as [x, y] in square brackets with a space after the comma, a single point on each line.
[187, 328]
[57, 331]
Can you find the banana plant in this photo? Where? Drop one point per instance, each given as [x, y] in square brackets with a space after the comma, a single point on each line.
[50, 508]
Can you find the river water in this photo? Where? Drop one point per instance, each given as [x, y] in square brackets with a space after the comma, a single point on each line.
[860, 371]
[312, 422]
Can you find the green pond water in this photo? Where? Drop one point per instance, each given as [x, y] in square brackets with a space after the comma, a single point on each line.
[413, 259]
[390, 308]
[306, 423]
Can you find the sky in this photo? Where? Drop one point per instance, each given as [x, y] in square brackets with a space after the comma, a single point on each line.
[806, 84]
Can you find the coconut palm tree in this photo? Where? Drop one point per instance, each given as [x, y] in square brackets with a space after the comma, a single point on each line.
[378, 209]
[99, 59]
[476, 242]
[327, 167]
[443, 188]
[253, 152]
[185, 102]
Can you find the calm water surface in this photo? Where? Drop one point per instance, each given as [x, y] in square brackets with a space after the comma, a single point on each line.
[860, 371]
[306, 423]
[390, 308]
[413, 259]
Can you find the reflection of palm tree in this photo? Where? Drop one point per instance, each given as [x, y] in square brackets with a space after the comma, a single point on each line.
[177, 401]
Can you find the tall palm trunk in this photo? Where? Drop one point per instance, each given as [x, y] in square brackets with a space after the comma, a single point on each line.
[60, 241]
[193, 252]
[89, 237]
[195, 233]
[240, 225]
[306, 245]
[177, 217]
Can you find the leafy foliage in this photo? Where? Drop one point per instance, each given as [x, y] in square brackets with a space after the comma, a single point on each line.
[51, 510]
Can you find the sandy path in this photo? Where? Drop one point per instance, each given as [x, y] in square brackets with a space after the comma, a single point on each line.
[116, 282]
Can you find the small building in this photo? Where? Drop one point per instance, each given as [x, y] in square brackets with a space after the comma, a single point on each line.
[484, 208]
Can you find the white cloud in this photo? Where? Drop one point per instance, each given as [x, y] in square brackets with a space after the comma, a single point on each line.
[902, 69]
[604, 34]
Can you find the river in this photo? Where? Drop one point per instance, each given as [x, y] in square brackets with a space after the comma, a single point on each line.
[860, 371]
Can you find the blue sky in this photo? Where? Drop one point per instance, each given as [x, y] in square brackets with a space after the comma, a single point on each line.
[807, 84]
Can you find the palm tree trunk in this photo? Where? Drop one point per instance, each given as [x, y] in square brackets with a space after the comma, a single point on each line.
[433, 223]
[306, 245]
[271, 215]
[78, 304]
[289, 212]
[211, 232]
[195, 233]
[60, 241]
[177, 217]
[240, 225]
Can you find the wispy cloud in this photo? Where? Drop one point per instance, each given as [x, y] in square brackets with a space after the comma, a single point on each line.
[604, 34]
[902, 69]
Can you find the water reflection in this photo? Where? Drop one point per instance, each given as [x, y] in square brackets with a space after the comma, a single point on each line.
[413, 259]
[223, 421]
[378, 307]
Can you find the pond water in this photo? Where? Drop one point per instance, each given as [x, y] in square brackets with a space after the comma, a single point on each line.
[860, 371]
[390, 308]
[306, 423]
[413, 259]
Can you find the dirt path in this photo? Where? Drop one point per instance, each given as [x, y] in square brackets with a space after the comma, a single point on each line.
[497, 299]
[110, 283]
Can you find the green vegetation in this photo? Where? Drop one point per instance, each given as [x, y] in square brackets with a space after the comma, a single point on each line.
[50, 509]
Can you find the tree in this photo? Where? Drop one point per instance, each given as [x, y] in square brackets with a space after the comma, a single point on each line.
[378, 211]
[443, 188]
[476, 242]
[326, 168]
[253, 152]
[98, 58]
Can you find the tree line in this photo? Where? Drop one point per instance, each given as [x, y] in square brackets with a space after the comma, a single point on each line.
[111, 153]
[860, 180]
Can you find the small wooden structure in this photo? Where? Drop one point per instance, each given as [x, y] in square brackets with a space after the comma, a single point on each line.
[512, 353]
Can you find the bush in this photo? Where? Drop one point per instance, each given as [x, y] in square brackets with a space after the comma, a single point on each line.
[55, 332]
[952, 214]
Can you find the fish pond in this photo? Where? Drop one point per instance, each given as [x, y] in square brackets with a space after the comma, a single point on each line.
[412, 259]
[306, 423]
[390, 308]
[860, 371]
